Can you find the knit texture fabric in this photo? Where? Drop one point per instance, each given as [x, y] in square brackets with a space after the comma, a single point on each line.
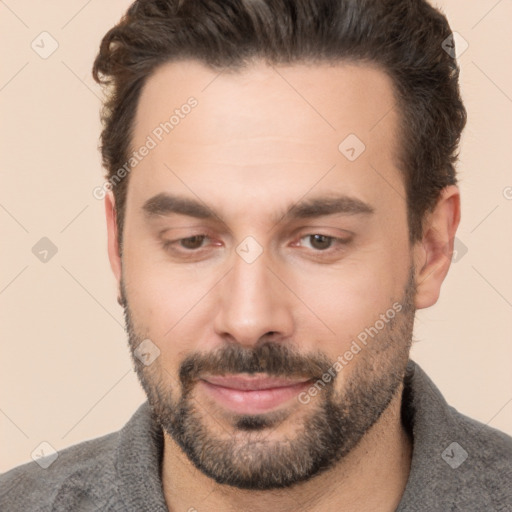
[458, 464]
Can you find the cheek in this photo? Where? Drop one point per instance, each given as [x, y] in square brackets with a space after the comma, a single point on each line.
[346, 299]
[170, 306]
[158, 297]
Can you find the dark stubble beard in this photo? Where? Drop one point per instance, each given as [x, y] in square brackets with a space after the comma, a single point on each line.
[334, 423]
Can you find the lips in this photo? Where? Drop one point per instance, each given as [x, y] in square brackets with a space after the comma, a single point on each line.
[251, 395]
[252, 383]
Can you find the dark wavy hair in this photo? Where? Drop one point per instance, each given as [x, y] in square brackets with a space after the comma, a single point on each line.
[404, 38]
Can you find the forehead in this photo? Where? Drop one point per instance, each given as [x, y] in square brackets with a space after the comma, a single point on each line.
[267, 98]
[271, 128]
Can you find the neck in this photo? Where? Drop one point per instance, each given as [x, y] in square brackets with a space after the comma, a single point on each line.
[371, 477]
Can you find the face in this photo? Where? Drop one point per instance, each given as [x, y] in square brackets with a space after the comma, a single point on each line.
[266, 267]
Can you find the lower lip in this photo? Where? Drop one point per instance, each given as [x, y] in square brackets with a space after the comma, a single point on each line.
[252, 401]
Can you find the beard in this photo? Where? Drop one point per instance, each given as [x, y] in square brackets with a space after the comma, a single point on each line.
[329, 427]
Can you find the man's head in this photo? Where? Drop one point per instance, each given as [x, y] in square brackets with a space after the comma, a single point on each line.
[287, 224]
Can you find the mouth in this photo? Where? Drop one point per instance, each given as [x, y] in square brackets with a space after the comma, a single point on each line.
[252, 394]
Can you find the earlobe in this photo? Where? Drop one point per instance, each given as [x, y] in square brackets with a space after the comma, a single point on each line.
[432, 255]
[112, 234]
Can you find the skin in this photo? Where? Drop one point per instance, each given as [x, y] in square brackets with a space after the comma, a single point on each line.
[252, 147]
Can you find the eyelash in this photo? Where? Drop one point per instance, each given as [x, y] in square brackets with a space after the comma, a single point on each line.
[342, 243]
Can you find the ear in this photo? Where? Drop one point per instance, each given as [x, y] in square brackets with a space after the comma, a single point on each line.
[112, 233]
[433, 254]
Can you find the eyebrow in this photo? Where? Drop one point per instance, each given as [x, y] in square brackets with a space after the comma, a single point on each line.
[164, 204]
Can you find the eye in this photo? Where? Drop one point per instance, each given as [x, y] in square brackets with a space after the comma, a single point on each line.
[317, 242]
[192, 242]
[321, 242]
[188, 244]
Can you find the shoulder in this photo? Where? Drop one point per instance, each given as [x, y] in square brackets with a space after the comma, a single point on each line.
[477, 462]
[458, 463]
[490, 451]
[81, 468]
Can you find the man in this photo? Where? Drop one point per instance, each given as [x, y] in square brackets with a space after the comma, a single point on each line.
[281, 199]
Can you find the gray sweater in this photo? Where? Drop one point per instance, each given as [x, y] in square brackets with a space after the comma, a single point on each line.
[458, 464]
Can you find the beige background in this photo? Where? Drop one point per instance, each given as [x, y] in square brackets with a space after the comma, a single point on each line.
[66, 373]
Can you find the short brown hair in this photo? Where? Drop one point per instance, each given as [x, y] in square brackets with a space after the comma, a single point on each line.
[402, 37]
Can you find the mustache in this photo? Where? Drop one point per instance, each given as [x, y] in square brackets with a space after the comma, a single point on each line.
[273, 359]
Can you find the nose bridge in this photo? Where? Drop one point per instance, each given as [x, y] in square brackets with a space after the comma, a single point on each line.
[252, 301]
[250, 281]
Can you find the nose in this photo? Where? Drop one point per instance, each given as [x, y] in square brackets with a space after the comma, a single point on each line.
[253, 303]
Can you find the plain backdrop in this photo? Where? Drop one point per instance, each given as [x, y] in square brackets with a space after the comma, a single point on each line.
[66, 372]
